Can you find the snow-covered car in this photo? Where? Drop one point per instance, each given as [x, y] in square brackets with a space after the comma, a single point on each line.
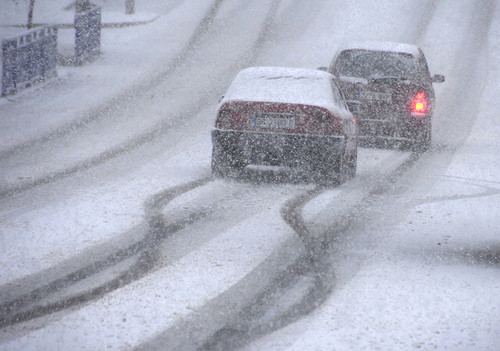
[287, 117]
[389, 87]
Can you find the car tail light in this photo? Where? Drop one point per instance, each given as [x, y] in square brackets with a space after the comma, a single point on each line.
[419, 103]
[224, 119]
[327, 124]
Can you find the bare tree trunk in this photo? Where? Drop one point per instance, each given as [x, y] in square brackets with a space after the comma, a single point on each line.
[129, 7]
[30, 14]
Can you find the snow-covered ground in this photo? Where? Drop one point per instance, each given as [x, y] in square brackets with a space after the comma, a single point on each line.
[419, 269]
[427, 269]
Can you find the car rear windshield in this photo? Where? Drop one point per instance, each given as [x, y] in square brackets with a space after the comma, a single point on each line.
[375, 64]
[282, 85]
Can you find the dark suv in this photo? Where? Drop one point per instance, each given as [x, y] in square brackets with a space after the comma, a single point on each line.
[389, 90]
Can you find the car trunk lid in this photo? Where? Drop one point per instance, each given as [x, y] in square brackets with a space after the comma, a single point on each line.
[274, 117]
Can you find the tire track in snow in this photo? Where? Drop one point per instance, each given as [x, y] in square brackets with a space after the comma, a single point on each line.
[426, 15]
[163, 127]
[311, 274]
[31, 305]
[293, 212]
[9, 311]
[300, 287]
[122, 99]
[319, 246]
[106, 109]
[310, 287]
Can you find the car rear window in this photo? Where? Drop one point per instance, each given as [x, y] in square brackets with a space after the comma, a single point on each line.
[375, 64]
[289, 86]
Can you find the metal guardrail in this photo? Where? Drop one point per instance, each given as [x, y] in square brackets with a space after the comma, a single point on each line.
[32, 57]
[28, 59]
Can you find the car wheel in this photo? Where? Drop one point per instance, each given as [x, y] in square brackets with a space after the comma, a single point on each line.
[350, 165]
[224, 163]
[220, 162]
[328, 170]
[423, 137]
[346, 168]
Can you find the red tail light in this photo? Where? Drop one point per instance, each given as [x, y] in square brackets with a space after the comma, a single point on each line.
[419, 103]
[224, 119]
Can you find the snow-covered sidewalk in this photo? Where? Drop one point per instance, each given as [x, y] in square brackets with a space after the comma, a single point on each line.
[129, 56]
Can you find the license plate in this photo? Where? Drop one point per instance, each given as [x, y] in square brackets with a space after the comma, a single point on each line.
[274, 121]
[373, 95]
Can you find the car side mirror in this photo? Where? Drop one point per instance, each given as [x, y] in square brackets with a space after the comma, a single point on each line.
[437, 78]
[354, 107]
[323, 69]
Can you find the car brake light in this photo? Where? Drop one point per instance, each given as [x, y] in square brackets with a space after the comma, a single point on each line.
[419, 103]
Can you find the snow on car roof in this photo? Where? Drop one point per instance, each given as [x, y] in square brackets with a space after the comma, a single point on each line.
[285, 85]
[383, 46]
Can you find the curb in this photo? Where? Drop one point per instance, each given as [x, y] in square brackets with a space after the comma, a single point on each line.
[108, 25]
[72, 25]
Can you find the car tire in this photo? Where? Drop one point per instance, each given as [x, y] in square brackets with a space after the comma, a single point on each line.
[328, 170]
[220, 162]
[347, 165]
[423, 138]
[350, 165]
[336, 169]
[224, 163]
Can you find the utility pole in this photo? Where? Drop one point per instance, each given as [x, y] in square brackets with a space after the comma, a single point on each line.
[30, 14]
[129, 7]
[82, 5]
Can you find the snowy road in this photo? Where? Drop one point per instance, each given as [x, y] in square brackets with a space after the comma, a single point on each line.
[116, 236]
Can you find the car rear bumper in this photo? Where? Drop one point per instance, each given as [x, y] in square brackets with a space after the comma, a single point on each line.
[278, 149]
[401, 127]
